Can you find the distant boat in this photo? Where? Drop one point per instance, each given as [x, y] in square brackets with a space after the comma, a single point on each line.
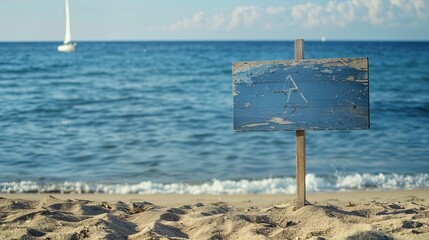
[323, 39]
[68, 46]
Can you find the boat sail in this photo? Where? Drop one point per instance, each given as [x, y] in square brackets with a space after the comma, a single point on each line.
[68, 46]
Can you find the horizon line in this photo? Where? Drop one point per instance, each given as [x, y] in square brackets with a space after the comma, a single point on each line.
[219, 40]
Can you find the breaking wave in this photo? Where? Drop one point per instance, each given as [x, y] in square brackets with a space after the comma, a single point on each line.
[337, 182]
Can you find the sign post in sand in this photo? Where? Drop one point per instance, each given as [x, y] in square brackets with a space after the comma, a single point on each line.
[298, 95]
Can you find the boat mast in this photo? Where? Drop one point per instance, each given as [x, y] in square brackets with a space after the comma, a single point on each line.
[67, 38]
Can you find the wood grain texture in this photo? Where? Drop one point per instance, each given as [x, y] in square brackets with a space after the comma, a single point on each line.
[300, 144]
[299, 49]
[300, 168]
[311, 94]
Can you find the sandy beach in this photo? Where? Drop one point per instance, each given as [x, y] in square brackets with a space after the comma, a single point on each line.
[343, 215]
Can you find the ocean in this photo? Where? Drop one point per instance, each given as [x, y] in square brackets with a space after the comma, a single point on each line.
[157, 117]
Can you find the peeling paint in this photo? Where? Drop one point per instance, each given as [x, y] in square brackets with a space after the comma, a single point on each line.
[254, 125]
[269, 95]
[234, 91]
[358, 64]
[280, 121]
[328, 71]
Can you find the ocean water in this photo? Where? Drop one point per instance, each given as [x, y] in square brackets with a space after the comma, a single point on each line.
[156, 117]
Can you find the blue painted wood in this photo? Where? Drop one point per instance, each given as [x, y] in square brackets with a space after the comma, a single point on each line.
[311, 94]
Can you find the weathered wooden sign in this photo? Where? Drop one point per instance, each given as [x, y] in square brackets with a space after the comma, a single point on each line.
[311, 94]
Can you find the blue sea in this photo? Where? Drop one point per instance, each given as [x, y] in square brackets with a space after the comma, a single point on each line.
[157, 117]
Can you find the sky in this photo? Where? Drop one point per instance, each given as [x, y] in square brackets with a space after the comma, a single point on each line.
[44, 20]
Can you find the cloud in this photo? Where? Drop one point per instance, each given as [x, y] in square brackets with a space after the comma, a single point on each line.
[406, 11]
[375, 12]
[345, 10]
[197, 21]
[240, 16]
[310, 15]
[217, 21]
[333, 13]
[275, 10]
[246, 15]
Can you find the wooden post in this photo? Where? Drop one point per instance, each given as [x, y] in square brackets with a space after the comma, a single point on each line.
[300, 143]
[299, 49]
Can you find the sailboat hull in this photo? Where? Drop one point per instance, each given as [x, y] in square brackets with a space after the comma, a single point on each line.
[67, 48]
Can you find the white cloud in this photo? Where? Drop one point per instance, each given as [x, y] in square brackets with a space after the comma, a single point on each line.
[406, 10]
[346, 11]
[240, 16]
[308, 14]
[275, 10]
[246, 15]
[217, 21]
[375, 12]
[333, 13]
[311, 15]
[195, 22]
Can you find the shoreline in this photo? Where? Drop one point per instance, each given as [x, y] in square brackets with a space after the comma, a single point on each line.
[233, 199]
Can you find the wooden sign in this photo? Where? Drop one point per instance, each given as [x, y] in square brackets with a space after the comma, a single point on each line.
[311, 94]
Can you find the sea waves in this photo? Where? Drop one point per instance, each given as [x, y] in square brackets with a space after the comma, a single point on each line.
[159, 116]
[337, 182]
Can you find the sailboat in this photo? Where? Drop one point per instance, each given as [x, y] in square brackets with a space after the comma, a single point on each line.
[68, 46]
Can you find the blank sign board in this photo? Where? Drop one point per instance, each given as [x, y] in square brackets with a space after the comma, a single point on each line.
[311, 94]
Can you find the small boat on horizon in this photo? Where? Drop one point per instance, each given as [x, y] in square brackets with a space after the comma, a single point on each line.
[67, 46]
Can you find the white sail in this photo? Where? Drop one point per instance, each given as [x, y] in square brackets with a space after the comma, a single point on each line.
[68, 46]
[67, 38]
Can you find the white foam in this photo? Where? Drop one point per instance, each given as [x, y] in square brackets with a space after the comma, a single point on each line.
[382, 181]
[286, 185]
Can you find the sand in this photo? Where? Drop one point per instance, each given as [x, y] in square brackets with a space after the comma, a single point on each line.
[354, 215]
